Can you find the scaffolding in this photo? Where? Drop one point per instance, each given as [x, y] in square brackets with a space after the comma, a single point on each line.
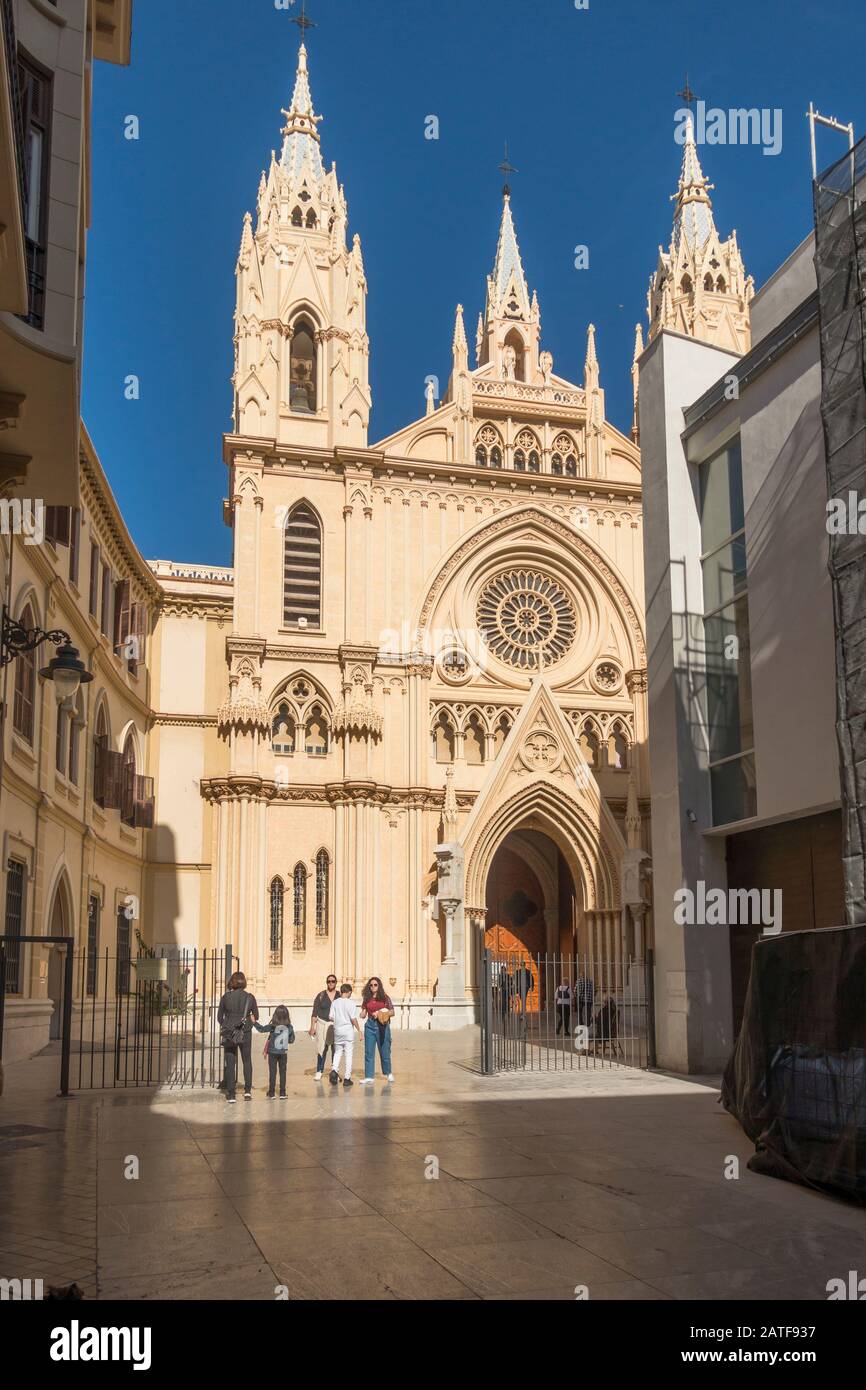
[840, 262]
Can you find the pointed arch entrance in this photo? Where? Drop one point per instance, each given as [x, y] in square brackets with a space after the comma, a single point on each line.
[60, 923]
[531, 909]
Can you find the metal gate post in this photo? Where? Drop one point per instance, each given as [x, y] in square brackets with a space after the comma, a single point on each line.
[486, 1014]
[66, 1045]
[650, 1008]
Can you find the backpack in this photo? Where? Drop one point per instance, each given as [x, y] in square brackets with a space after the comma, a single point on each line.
[282, 1037]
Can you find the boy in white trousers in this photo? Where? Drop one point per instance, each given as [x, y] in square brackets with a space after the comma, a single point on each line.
[345, 1026]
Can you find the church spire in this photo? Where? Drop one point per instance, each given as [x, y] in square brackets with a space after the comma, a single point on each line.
[509, 332]
[507, 291]
[635, 374]
[459, 345]
[700, 287]
[301, 143]
[693, 215]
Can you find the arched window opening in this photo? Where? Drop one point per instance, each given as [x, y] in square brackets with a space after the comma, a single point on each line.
[720, 284]
[556, 465]
[443, 739]
[323, 873]
[302, 569]
[100, 758]
[312, 219]
[474, 741]
[24, 703]
[277, 895]
[496, 457]
[617, 748]
[520, 461]
[316, 735]
[302, 369]
[299, 907]
[571, 466]
[534, 463]
[127, 783]
[589, 745]
[283, 730]
[501, 732]
[481, 457]
[686, 284]
[76, 728]
[62, 733]
[708, 281]
[297, 218]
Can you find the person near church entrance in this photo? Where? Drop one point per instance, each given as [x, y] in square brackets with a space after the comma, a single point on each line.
[378, 1012]
[522, 984]
[281, 1035]
[585, 998]
[563, 1007]
[237, 1013]
[343, 1017]
[321, 1026]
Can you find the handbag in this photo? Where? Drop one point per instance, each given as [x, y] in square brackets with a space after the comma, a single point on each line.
[232, 1034]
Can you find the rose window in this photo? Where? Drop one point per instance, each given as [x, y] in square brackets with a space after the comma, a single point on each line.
[526, 619]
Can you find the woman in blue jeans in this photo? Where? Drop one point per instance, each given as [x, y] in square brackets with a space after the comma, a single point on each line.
[378, 1011]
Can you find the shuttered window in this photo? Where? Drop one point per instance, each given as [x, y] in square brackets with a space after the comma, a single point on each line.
[277, 895]
[25, 685]
[302, 573]
[124, 952]
[93, 914]
[299, 906]
[14, 924]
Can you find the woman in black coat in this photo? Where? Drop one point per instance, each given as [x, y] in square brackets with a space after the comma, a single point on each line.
[237, 1010]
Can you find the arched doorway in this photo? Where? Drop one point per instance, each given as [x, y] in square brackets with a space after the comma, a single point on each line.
[532, 911]
[60, 924]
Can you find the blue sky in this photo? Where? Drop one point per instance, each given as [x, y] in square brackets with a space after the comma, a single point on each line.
[586, 100]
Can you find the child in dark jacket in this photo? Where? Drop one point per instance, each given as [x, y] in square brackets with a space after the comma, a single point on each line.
[280, 1035]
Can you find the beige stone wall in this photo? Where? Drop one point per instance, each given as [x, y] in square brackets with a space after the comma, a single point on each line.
[70, 847]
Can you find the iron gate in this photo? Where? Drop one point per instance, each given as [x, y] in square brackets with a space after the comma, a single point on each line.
[147, 1019]
[543, 1013]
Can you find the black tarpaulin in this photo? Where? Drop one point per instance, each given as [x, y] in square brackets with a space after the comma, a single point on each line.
[797, 1078]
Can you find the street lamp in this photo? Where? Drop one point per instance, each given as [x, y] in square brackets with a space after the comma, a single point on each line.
[66, 669]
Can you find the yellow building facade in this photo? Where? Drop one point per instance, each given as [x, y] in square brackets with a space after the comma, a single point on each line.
[415, 709]
[410, 719]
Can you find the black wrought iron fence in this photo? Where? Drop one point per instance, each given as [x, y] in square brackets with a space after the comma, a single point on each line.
[563, 1013]
[147, 1019]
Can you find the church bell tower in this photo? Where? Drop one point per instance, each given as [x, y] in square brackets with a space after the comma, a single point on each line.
[301, 371]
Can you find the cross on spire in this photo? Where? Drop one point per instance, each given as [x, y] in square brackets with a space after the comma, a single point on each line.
[302, 21]
[687, 95]
[506, 168]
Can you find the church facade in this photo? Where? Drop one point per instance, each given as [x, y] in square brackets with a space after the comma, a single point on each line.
[420, 709]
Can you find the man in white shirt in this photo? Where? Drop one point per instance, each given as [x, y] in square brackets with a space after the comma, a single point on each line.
[343, 1017]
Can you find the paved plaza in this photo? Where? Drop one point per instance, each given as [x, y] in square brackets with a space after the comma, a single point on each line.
[608, 1179]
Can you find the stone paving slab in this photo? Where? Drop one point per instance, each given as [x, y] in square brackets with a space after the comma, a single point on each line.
[613, 1179]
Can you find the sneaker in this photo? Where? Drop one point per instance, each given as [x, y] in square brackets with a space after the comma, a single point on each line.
[318, 1076]
[333, 1078]
[231, 1100]
[248, 1095]
[348, 1081]
[271, 1095]
[390, 1076]
[283, 1095]
[367, 1081]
